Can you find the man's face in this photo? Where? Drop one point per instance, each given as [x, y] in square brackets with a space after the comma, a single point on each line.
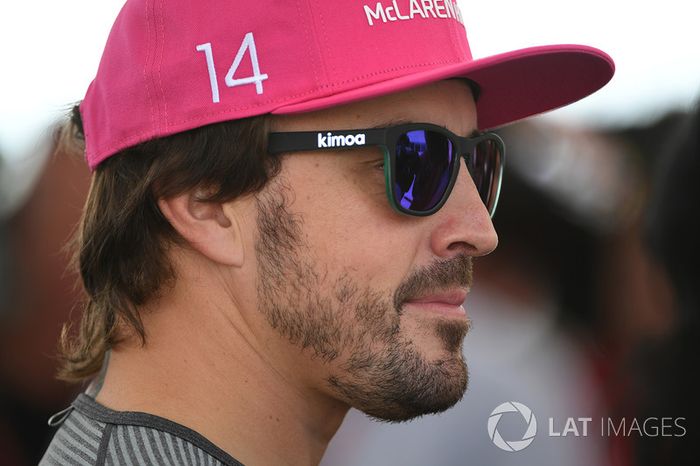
[337, 267]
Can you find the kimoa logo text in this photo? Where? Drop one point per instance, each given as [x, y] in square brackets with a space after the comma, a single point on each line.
[337, 140]
[425, 9]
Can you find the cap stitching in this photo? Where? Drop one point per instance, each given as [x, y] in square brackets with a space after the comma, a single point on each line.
[335, 84]
[464, 44]
[455, 38]
[312, 37]
[146, 63]
[160, 63]
[137, 136]
[325, 42]
[158, 99]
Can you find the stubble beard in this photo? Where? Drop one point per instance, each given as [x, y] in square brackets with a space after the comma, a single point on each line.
[372, 366]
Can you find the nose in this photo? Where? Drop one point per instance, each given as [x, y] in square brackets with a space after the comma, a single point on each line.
[463, 225]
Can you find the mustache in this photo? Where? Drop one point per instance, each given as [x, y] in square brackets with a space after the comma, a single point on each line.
[451, 273]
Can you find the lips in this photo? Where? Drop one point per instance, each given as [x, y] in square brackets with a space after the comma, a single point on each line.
[453, 297]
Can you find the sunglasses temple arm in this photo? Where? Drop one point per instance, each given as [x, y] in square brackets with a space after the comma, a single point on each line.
[324, 140]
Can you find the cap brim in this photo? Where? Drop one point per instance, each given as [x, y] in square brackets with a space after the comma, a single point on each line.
[513, 85]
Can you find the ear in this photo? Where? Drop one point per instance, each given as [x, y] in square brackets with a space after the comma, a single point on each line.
[205, 226]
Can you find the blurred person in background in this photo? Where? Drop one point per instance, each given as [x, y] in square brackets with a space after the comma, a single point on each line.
[665, 366]
[41, 196]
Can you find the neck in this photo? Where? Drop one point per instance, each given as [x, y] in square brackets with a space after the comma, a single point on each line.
[207, 370]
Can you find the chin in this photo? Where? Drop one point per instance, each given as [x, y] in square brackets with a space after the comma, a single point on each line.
[439, 395]
[441, 339]
[403, 385]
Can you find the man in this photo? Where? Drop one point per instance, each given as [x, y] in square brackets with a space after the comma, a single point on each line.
[256, 255]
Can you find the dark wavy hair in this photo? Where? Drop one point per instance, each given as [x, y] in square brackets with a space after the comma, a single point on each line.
[120, 246]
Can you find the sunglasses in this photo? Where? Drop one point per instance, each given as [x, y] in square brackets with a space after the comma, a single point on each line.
[421, 161]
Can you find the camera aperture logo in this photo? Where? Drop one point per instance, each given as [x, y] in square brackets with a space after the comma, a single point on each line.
[577, 426]
[528, 436]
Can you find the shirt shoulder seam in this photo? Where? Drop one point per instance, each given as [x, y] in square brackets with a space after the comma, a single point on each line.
[90, 408]
[104, 444]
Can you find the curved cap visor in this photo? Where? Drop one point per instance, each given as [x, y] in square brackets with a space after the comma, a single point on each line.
[173, 66]
[513, 85]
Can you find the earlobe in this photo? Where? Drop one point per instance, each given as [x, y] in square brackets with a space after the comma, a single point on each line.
[206, 226]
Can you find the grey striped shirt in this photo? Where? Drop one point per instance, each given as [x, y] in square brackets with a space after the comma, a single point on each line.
[92, 434]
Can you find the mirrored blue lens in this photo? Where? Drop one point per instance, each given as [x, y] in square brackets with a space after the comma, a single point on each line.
[422, 171]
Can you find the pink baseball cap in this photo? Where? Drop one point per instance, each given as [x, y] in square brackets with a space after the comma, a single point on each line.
[170, 66]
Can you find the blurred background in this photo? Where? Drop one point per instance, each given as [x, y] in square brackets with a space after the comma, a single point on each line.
[588, 308]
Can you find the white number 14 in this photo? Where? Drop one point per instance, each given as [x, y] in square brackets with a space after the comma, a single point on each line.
[257, 78]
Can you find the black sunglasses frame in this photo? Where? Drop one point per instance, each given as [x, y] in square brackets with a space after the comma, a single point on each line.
[387, 139]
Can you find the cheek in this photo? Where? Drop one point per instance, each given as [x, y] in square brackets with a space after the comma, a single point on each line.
[349, 224]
